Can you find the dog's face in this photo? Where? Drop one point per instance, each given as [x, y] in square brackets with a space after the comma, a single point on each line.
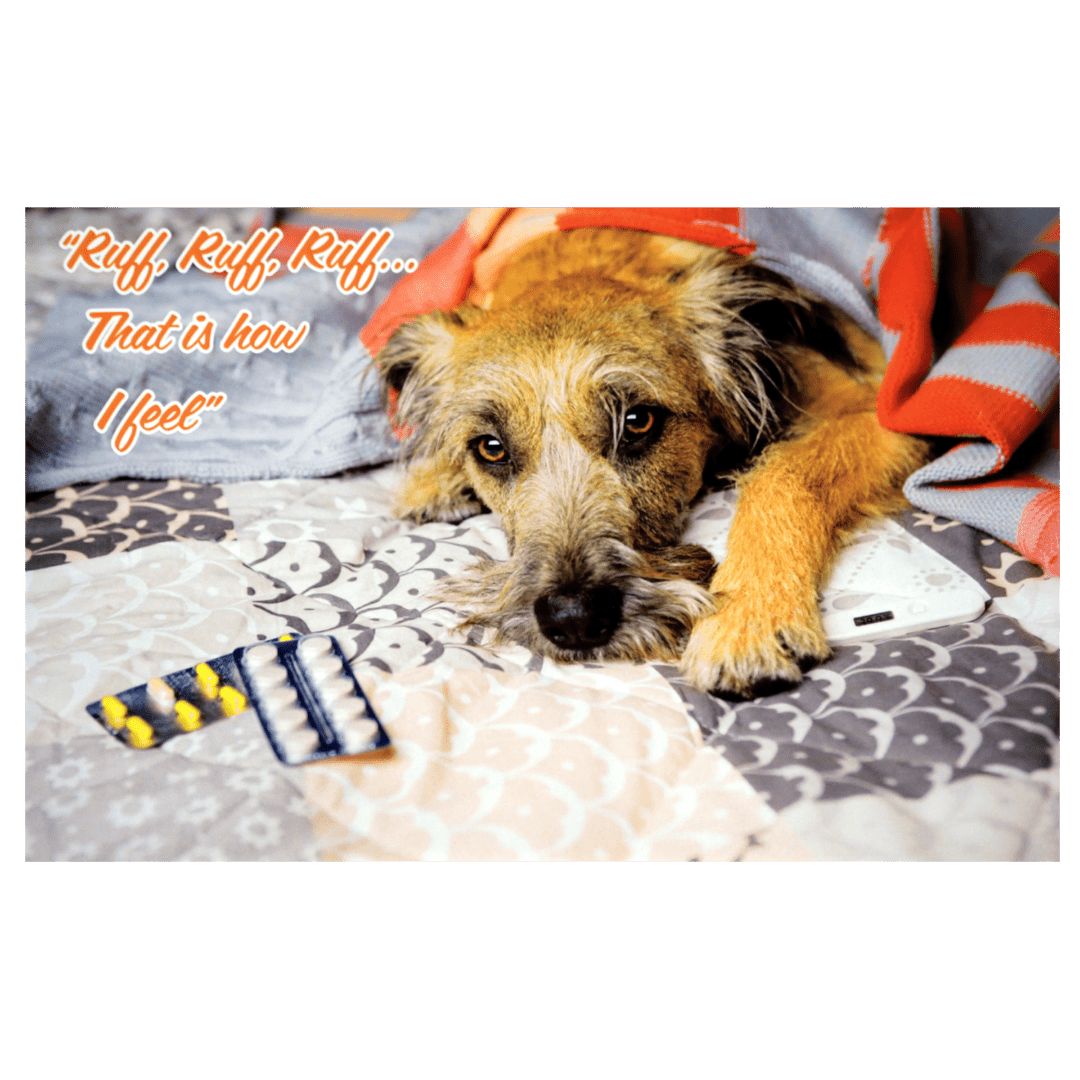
[611, 372]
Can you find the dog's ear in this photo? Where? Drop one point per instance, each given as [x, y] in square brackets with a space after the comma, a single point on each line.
[741, 320]
[793, 316]
[410, 365]
[414, 364]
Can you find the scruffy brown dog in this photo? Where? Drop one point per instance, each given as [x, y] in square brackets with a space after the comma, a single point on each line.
[613, 374]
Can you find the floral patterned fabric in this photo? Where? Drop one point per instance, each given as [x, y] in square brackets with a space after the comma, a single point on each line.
[85, 521]
[941, 745]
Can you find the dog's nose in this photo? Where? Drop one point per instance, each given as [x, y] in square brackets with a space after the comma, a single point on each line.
[575, 618]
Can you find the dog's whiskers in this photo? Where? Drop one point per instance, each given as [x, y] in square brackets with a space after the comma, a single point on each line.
[522, 409]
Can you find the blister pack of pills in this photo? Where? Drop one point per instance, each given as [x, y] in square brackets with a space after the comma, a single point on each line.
[308, 700]
[183, 701]
[302, 689]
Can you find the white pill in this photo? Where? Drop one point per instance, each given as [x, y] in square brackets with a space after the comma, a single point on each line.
[323, 667]
[341, 686]
[358, 735]
[268, 677]
[278, 698]
[261, 654]
[311, 647]
[346, 709]
[288, 719]
[300, 744]
[161, 695]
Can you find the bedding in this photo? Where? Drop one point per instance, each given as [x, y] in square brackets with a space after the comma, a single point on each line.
[938, 745]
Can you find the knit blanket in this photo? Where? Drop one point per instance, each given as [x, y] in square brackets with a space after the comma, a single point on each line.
[993, 391]
[310, 412]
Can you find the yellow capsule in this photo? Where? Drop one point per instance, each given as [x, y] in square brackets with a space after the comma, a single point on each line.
[142, 734]
[232, 701]
[285, 637]
[208, 680]
[187, 716]
[115, 711]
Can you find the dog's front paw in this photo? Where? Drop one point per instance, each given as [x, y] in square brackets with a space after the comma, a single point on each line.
[431, 493]
[448, 510]
[743, 647]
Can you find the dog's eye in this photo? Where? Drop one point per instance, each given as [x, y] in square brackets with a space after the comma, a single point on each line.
[638, 422]
[642, 425]
[491, 451]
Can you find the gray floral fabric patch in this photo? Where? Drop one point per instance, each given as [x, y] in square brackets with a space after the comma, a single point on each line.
[91, 799]
[903, 716]
[995, 566]
[86, 521]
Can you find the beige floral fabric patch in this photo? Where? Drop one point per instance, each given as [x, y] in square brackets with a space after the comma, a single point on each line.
[558, 764]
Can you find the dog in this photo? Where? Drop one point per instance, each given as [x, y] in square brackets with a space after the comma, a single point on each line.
[611, 376]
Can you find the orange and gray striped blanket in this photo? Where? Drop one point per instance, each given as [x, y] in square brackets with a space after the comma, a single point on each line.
[993, 389]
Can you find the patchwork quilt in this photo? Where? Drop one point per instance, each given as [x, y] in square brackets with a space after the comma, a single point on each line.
[937, 745]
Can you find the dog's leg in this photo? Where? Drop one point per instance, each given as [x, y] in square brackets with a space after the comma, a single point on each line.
[436, 493]
[794, 508]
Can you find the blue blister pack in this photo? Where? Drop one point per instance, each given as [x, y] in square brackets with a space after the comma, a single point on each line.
[302, 689]
[308, 700]
[173, 704]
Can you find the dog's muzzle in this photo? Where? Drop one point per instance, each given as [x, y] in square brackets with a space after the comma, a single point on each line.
[579, 618]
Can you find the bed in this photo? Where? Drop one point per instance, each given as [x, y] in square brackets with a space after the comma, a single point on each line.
[938, 745]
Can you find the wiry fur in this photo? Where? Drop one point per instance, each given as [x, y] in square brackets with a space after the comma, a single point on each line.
[563, 537]
[585, 327]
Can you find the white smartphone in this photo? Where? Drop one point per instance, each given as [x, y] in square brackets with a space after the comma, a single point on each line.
[885, 583]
